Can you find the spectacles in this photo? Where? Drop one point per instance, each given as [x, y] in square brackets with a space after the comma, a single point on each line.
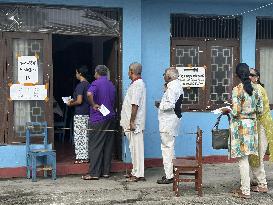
[253, 75]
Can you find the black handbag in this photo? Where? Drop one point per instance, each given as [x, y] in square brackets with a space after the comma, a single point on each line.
[220, 137]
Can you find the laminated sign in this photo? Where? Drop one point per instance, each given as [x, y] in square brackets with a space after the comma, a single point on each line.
[34, 92]
[192, 76]
[27, 69]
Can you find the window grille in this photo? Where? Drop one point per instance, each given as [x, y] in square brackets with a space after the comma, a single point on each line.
[264, 28]
[186, 26]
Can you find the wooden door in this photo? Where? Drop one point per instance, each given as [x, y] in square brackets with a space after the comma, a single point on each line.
[111, 60]
[190, 53]
[220, 58]
[2, 91]
[21, 111]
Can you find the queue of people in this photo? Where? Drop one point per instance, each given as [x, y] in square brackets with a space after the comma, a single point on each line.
[251, 126]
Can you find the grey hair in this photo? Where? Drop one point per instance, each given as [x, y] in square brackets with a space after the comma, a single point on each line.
[136, 68]
[102, 70]
[172, 72]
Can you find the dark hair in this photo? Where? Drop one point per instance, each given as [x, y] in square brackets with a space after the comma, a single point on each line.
[258, 74]
[83, 70]
[102, 70]
[243, 72]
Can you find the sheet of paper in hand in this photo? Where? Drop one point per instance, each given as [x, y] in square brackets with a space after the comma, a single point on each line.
[66, 99]
[104, 111]
[219, 110]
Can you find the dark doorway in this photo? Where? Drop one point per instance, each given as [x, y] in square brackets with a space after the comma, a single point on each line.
[70, 52]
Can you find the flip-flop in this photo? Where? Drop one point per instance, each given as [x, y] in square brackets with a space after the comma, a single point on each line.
[136, 179]
[78, 162]
[128, 175]
[239, 194]
[88, 177]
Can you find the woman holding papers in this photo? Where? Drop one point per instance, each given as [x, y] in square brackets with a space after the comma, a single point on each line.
[246, 105]
[101, 97]
[81, 116]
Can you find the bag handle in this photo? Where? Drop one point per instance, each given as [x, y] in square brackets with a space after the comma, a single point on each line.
[218, 120]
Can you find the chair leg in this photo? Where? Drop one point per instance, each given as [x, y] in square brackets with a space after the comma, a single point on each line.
[176, 182]
[45, 165]
[200, 192]
[28, 166]
[196, 180]
[53, 172]
[34, 163]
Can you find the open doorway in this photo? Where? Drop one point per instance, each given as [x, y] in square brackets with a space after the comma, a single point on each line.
[70, 52]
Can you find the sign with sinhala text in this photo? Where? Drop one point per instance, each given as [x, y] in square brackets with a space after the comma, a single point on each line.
[27, 69]
[34, 92]
[192, 76]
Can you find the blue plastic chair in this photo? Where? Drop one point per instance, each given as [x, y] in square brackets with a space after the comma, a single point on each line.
[48, 155]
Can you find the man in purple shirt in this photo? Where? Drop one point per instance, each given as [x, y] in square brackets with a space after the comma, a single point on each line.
[101, 92]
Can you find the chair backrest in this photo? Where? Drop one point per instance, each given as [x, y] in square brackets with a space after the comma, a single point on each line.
[43, 134]
[199, 146]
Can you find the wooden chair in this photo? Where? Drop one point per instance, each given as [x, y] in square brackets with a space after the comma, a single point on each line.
[46, 154]
[189, 167]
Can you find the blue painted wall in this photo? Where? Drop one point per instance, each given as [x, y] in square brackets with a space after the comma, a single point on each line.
[146, 39]
[156, 57]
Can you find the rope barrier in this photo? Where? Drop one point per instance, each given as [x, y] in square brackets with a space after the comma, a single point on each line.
[124, 131]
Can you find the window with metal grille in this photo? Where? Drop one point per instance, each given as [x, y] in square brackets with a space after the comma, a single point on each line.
[196, 26]
[212, 41]
[264, 28]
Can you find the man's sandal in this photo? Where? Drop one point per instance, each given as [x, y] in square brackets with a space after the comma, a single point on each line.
[259, 189]
[239, 194]
[135, 179]
[88, 177]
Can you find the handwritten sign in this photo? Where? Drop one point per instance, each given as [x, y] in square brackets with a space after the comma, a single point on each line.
[192, 76]
[27, 69]
[21, 92]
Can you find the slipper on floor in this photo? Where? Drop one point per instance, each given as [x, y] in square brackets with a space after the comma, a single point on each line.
[239, 194]
[128, 175]
[78, 162]
[135, 179]
[88, 177]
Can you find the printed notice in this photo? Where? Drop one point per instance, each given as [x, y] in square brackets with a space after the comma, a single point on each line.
[27, 69]
[192, 76]
[104, 111]
[21, 92]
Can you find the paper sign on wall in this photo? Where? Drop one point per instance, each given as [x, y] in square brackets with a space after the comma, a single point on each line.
[21, 92]
[27, 69]
[192, 76]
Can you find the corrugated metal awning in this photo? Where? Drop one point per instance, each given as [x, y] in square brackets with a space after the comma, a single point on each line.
[60, 19]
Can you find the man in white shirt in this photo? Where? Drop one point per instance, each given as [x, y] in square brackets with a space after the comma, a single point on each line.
[169, 114]
[133, 120]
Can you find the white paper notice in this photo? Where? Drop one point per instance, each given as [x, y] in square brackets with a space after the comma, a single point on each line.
[27, 69]
[104, 111]
[21, 92]
[66, 99]
[219, 110]
[192, 76]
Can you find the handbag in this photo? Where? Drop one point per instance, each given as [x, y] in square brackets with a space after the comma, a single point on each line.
[220, 137]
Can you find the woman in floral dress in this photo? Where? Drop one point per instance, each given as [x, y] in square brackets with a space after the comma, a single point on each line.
[246, 105]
